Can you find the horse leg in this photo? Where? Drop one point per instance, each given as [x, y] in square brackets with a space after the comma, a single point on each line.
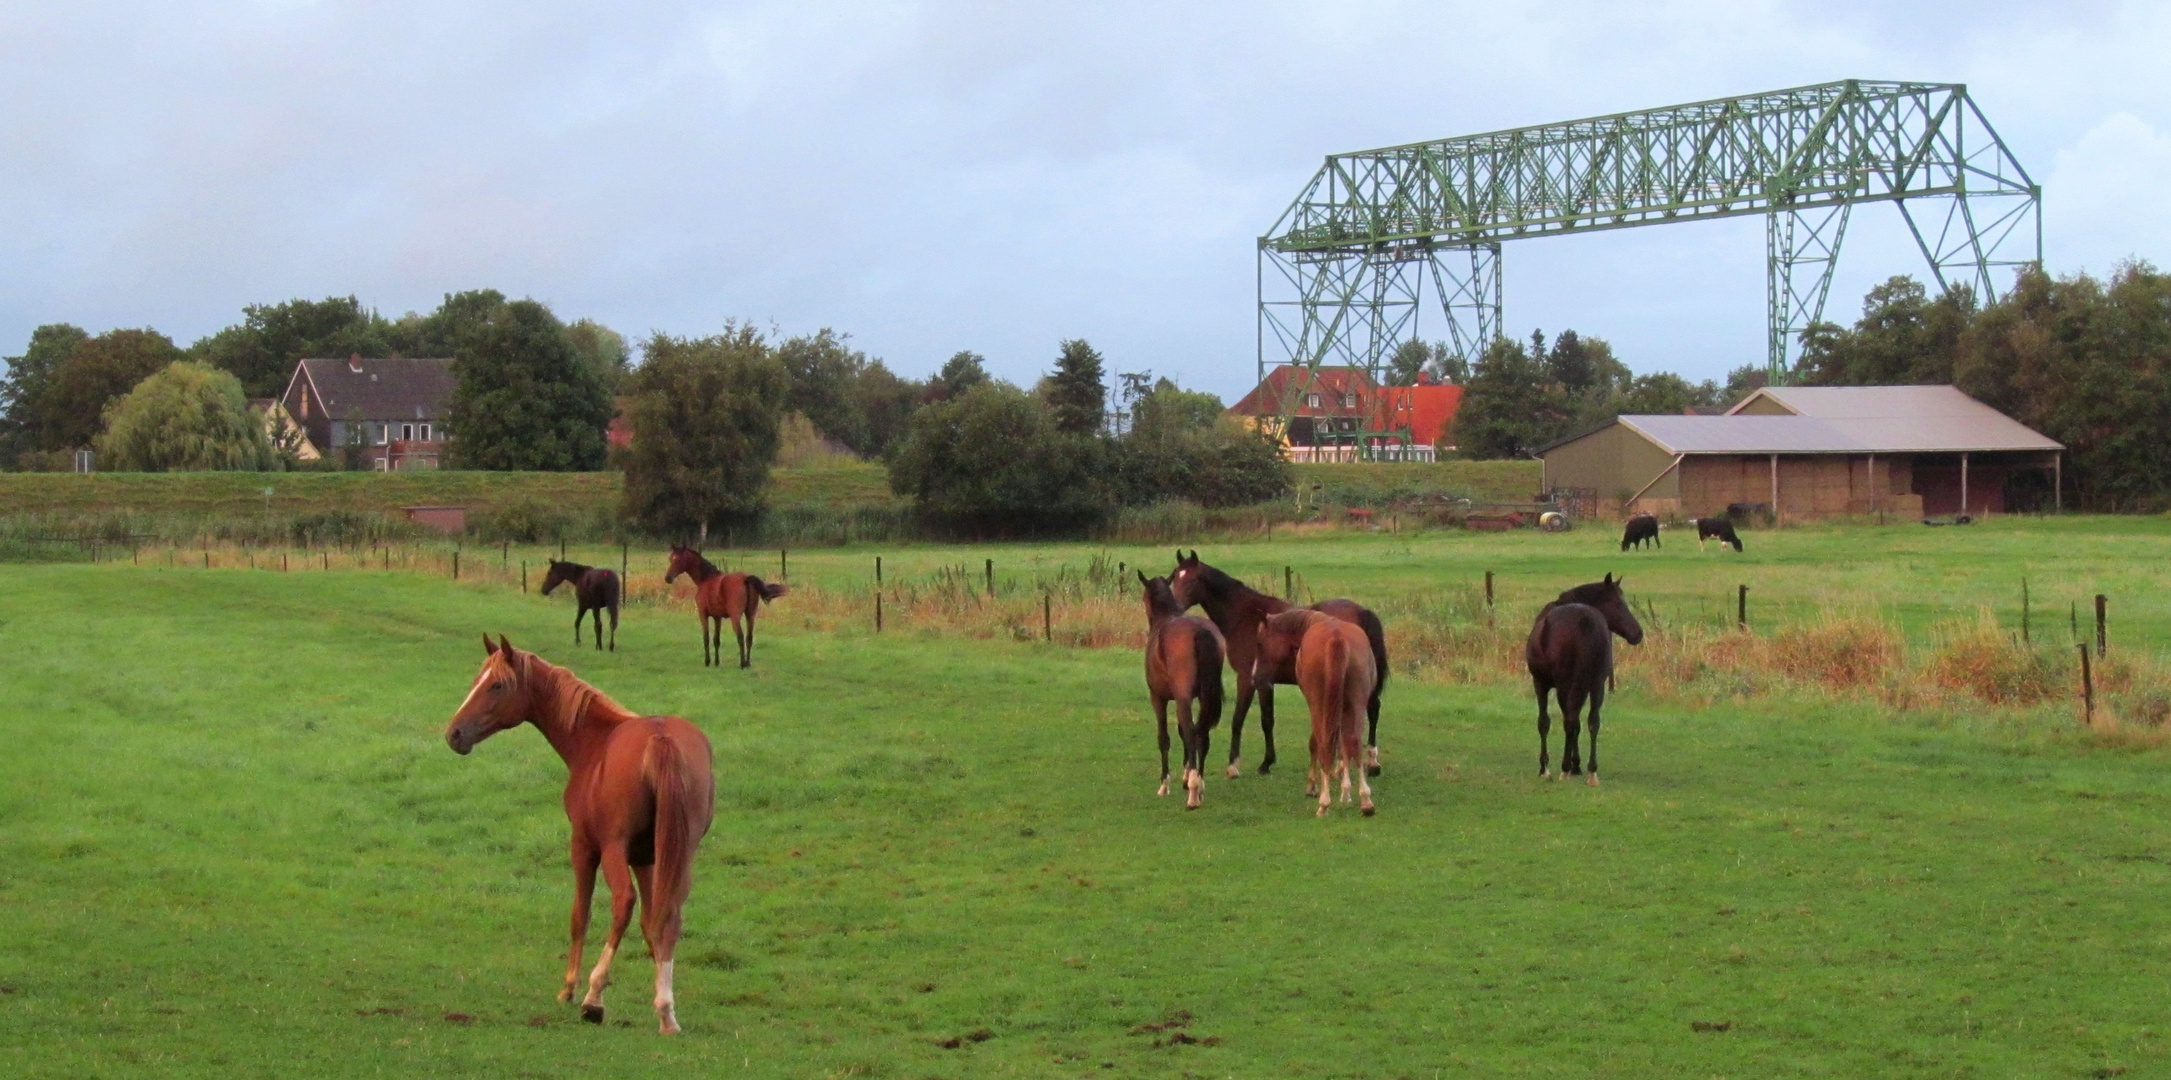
[584, 887]
[1266, 727]
[751, 612]
[739, 636]
[1193, 759]
[578, 611]
[596, 617]
[704, 641]
[1598, 699]
[1236, 724]
[660, 928]
[1160, 714]
[1572, 697]
[1371, 733]
[614, 628]
[1545, 725]
[619, 877]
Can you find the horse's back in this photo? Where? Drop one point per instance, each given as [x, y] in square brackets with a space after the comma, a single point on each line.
[1567, 642]
[1181, 653]
[1375, 632]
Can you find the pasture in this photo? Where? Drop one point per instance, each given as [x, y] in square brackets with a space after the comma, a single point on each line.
[235, 844]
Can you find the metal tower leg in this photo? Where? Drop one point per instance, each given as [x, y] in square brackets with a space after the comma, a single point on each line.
[1809, 240]
[1468, 283]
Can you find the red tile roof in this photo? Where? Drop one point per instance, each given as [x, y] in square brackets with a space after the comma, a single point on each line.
[1428, 409]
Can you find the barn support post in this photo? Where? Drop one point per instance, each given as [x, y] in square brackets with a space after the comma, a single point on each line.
[1775, 489]
[1876, 494]
[1963, 483]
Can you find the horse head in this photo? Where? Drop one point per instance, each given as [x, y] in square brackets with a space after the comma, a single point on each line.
[560, 573]
[1607, 597]
[683, 561]
[1188, 581]
[498, 700]
[1161, 600]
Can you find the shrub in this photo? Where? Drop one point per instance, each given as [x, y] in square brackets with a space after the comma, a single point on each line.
[187, 417]
[993, 459]
[1985, 661]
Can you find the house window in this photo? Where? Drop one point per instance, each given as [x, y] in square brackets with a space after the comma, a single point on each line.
[1311, 401]
[407, 432]
[384, 433]
[422, 431]
[383, 465]
[1349, 401]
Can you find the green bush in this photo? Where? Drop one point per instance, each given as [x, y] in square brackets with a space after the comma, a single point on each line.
[186, 417]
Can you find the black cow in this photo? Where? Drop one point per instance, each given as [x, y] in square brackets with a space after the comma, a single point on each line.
[1642, 527]
[1718, 527]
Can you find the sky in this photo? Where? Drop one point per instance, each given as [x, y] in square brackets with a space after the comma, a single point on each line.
[936, 176]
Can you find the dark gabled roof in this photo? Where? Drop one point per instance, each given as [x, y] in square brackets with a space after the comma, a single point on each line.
[389, 389]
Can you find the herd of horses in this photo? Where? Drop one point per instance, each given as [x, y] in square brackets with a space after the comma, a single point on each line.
[640, 791]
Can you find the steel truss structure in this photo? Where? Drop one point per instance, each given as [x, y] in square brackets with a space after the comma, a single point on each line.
[1349, 267]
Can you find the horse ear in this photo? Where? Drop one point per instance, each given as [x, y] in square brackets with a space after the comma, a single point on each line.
[487, 648]
[1609, 578]
[505, 646]
[1142, 579]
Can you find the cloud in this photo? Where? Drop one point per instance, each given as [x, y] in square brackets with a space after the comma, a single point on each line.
[2104, 201]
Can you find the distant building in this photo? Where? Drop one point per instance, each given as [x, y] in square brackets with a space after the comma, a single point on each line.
[390, 411]
[1340, 414]
[280, 428]
[1813, 451]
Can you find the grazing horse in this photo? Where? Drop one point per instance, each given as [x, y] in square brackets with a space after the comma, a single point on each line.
[1721, 528]
[1332, 664]
[1183, 664]
[1640, 528]
[1237, 609]
[595, 590]
[638, 794]
[718, 596]
[1570, 654]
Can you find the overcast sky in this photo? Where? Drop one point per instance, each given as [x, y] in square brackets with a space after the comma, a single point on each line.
[936, 176]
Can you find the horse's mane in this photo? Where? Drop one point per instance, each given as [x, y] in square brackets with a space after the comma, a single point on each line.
[576, 569]
[703, 568]
[1590, 593]
[567, 697]
[1161, 600]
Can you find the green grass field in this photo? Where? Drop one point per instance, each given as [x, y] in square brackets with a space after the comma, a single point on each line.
[234, 843]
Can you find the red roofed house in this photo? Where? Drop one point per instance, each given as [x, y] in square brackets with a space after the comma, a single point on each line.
[1340, 414]
[389, 411]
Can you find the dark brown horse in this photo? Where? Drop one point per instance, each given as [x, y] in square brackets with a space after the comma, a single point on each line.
[593, 589]
[719, 596]
[638, 794]
[1183, 664]
[1238, 609]
[1570, 654]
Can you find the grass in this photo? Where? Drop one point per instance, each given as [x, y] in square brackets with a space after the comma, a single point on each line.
[235, 845]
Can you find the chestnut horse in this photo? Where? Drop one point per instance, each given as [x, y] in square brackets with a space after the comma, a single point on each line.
[1183, 664]
[1332, 663]
[638, 794]
[1237, 609]
[593, 590]
[1570, 655]
[719, 596]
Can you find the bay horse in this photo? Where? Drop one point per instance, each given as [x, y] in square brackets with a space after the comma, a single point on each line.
[1332, 664]
[1237, 609]
[1640, 528]
[593, 590]
[719, 596]
[1183, 664]
[1570, 655]
[639, 796]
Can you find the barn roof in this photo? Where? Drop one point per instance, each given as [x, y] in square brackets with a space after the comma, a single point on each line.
[1843, 420]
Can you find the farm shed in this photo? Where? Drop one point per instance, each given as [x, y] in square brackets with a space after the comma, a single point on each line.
[1814, 452]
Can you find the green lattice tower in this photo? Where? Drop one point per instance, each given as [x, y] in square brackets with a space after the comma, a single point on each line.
[1342, 273]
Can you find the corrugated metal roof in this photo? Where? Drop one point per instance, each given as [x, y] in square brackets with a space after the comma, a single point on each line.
[1823, 435]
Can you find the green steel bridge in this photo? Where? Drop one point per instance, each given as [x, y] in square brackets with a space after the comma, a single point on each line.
[1343, 275]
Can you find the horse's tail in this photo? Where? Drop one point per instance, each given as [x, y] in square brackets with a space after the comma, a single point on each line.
[1375, 635]
[678, 818]
[1206, 646]
[1334, 692]
[762, 590]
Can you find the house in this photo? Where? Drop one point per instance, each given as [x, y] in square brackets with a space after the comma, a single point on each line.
[280, 428]
[1813, 451]
[390, 412]
[1340, 414]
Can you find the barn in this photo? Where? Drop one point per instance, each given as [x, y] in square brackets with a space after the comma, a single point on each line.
[1813, 451]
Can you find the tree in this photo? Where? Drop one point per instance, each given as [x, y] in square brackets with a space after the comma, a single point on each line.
[1171, 409]
[1903, 337]
[1077, 396]
[524, 400]
[885, 402]
[262, 351]
[964, 370]
[995, 459]
[1665, 392]
[705, 414]
[98, 370]
[22, 424]
[187, 417]
[459, 316]
[1508, 408]
[602, 350]
[823, 370]
[1181, 446]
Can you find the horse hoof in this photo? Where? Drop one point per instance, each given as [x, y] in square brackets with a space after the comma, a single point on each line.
[1369, 810]
[1265, 767]
[565, 994]
[592, 1013]
[1371, 770]
[1593, 781]
[1234, 772]
[1322, 812]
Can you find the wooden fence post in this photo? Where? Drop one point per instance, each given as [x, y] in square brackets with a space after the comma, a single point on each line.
[1289, 583]
[1488, 588]
[878, 609]
[1047, 618]
[523, 575]
[991, 579]
[1741, 608]
[2101, 640]
[282, 562]
[2088, 687]
[2024, 639]
[455, 563]
[878, 571]
[625, 559]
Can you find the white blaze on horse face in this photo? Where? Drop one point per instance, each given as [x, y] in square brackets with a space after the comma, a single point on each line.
[666, 1006]
[598, 978]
